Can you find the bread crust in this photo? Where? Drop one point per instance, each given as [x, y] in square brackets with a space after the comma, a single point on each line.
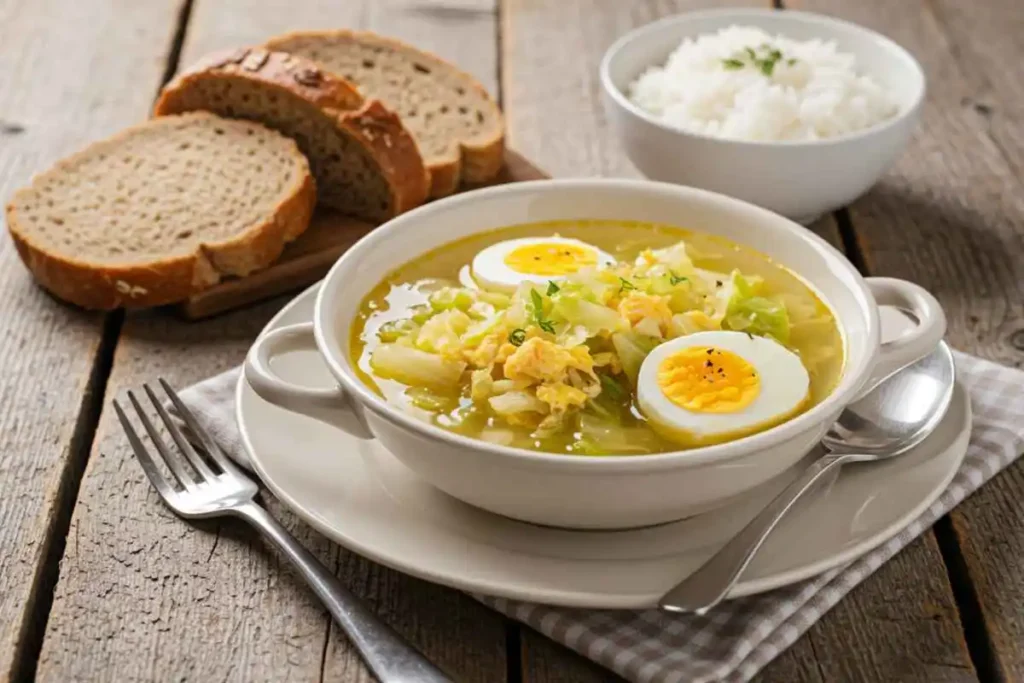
[379, 131]
[172, 279]
[474, 160]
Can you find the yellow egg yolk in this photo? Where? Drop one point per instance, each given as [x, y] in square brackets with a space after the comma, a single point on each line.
[550, 258]
[704, 379]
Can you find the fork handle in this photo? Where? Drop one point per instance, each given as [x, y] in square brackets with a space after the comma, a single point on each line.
[389, 656]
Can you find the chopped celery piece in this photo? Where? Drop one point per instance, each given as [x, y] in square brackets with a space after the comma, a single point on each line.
[393, 330]
[426, 398]
[421, 313]
[448, 298]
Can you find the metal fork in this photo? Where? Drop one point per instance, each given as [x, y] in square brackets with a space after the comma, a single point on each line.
[216, 487]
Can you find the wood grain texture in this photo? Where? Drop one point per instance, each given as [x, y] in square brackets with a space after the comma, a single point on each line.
[550, 55]
[986, 38]
[950, 216]
[65, 82]
[461, 31]
[145, 597]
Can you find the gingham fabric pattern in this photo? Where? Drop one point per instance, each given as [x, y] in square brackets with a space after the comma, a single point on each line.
[738, 638]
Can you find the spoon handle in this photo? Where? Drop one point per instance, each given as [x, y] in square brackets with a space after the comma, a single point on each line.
[713, 580]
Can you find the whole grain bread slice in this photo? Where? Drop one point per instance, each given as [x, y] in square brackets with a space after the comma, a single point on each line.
[458, 126]
[365, 162]
[162, 210]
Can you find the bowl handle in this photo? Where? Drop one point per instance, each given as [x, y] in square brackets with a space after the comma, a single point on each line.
[915, 343]
[331, 406]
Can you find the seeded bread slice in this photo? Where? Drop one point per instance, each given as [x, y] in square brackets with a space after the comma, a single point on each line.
[365, 162]
[459, 128]
[162, 210]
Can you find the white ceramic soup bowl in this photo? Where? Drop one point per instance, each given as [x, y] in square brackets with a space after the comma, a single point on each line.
[579, 491]
[800, 180]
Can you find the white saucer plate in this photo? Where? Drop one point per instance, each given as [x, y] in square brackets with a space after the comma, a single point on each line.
[361, 497]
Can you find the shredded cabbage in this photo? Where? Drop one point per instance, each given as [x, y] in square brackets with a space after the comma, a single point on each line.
[596, 319]
[517, 402]
[415, 367]
[632, 349]
[562, 354]
[753, 314]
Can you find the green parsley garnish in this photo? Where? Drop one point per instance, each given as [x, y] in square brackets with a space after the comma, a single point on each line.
[552, 288]
[763, 58]
[674, 279]
[517, 336]
[626, 285]
[538, 312]
[538, 303]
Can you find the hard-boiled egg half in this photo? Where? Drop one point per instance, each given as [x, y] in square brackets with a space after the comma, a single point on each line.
[505, 265]
[711, 387]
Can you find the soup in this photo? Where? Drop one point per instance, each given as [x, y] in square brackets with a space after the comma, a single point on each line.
[597, 338]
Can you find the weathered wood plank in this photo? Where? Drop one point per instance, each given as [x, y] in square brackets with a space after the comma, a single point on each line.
[545, 660]
[66, 81]
[143, 596]
[462, 31]
[950, 216]
[550, 55]
[983, 36]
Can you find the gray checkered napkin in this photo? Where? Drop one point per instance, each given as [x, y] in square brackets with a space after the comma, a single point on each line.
[738, 638]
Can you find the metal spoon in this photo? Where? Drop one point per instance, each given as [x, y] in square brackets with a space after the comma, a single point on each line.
[896, 415]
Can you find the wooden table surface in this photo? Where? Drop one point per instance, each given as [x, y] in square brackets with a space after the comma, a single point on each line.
[98, 581]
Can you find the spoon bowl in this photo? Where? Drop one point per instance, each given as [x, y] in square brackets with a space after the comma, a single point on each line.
[898, 413]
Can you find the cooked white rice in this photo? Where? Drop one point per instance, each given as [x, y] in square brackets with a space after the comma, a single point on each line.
[731, 84]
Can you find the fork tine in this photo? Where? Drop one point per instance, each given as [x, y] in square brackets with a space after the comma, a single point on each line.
[212, 449]
[193, 457]
[159, 481]
[173, 460]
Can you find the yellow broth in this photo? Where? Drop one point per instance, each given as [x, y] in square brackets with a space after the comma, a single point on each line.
[817, 340]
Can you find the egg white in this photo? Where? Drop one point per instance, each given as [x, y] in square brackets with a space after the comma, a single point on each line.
[784, 384]
[489, 269]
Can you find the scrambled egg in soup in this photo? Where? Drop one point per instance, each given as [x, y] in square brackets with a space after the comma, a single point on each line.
[598, 338]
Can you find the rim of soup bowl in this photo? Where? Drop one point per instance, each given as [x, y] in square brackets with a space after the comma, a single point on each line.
[895, 49]
[330, 346]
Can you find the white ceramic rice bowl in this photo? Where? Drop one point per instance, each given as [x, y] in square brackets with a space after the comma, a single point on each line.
[798, 179]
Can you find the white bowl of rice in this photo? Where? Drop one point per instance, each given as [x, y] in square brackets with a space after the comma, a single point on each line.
[796, 112]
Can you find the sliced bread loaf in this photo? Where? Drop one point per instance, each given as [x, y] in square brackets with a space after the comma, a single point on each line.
[458, 126]
[162, 210]
[365, 162]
